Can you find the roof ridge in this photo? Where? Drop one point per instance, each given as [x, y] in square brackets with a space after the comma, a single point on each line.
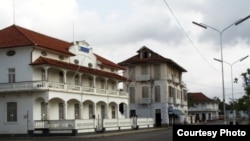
[18, 29]
[109, 62]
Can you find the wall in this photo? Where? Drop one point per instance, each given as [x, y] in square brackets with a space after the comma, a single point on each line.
[24, 105]
[20, 61]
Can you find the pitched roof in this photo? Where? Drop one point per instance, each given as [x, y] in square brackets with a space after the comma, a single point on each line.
[154, 58]
[199, 97]
[106, 62]
[16, 36]
[52, 62]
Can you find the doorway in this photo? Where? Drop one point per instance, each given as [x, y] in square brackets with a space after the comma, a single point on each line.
[158, 118]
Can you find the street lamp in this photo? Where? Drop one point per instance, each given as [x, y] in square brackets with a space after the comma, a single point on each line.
[222, 68]
[231, 66]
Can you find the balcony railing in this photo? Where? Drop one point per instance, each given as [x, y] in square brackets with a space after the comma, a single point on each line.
[203, 109]
[44, 85]
[91, 123]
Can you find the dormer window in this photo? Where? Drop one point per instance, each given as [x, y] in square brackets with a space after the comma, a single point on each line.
[145, 54]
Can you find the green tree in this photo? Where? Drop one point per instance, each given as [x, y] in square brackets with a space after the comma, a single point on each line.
[221, 105]
[190, 100]
[244, 102]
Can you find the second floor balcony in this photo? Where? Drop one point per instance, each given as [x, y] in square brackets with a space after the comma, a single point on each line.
[50, 86]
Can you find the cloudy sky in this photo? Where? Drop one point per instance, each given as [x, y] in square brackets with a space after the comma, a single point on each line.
[116, 29]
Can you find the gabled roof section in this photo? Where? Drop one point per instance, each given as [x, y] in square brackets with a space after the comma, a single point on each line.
[152, 58]
[16, 36]
[106, 62]
[52, 62]
[200, 97]
[144, 48]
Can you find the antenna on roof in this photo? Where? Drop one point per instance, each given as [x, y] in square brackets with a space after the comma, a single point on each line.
[13, 11]
[73, 31]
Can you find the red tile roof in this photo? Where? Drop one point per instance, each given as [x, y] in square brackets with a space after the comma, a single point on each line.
[199, 97]
[52, 62]
[154, 58]
[106, 62]
[16, 36]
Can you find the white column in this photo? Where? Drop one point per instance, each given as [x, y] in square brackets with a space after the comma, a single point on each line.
[106, 84]
[107, 111]
[65, 108]
[94, 83]
[46, 111]
[46, 73]
[80, 78]
[107, 107]
[94, 110]
[81, 110]
[65, 79]
[64, 76]
[117, 82]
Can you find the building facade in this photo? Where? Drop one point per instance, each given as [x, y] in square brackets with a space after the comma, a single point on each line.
[47, 83]
[155, 88]
[201, 108]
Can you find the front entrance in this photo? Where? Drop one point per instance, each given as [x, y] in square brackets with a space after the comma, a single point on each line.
[203, 117]
[158, 117]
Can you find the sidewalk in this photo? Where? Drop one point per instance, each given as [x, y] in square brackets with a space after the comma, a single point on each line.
[245, 122]
[241, 122]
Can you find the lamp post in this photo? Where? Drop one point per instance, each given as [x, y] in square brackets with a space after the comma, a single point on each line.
[231, 67]
[222, 66]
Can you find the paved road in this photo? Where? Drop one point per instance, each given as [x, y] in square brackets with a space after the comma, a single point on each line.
[155, 134]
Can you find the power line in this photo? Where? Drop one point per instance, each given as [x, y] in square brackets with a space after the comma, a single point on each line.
[205, 85]
[202, 84]
[186, 35]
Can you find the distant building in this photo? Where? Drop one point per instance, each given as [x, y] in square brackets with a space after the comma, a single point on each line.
[202, 107]
[49, 85]
[156, 88]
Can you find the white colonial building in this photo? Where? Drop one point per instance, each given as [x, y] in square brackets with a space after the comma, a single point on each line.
[48, 85]
[156, 88]
[201, 108]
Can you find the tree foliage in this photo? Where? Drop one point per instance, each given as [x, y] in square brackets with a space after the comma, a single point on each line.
[243, 103]
[190, 100]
